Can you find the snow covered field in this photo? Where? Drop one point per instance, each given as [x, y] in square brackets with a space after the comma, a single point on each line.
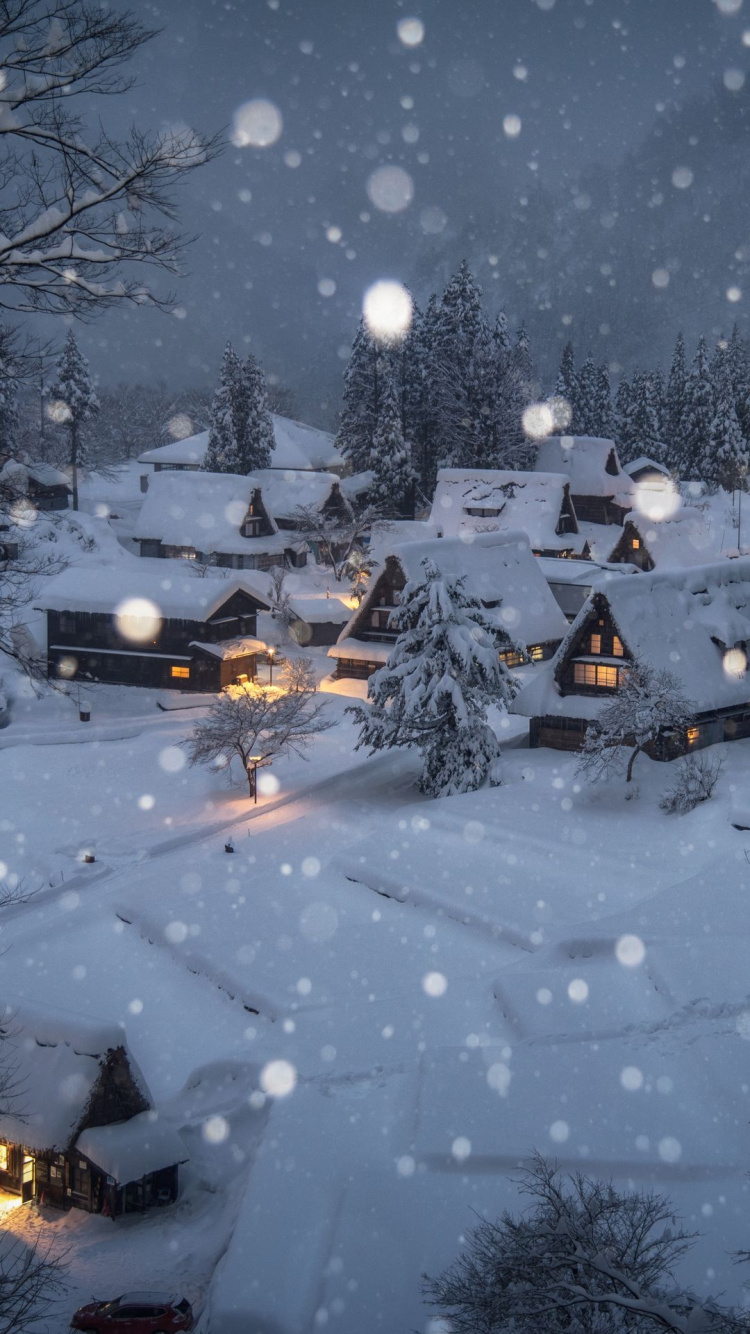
[365, 1016]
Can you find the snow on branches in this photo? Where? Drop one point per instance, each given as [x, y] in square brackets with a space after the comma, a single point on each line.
[438, 684]
[259, 725]
[82, 206]
[648, 707]
[583, 1257]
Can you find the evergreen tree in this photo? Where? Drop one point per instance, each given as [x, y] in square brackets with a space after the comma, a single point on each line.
[439, 681]
[673, 426]
[502, 334]
[361, 401]
[604, 417]
[586, 416]
[256, 438]
[643, 419]
[523, 358]
[73, 402]
[699, 415]
[229, 403]
[424, 431]
[623, 431]
[392, 490]
[566, 385]
[454, 400]
[725, 461]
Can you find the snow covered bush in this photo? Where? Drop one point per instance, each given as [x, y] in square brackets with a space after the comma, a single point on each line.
[439, 681]
[696, 779]
[649, 706]
[583, 1258]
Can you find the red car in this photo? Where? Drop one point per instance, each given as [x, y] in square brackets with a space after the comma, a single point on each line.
[136, 1313]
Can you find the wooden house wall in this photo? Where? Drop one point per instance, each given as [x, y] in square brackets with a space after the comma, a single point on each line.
[598, 509]
[625, 552]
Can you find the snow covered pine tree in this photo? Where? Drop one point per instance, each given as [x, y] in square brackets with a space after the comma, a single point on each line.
[72, 402]
[241, 432]
[440, 679]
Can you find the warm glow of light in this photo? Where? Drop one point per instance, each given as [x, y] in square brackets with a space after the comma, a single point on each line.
[138, 619]
[387, 309]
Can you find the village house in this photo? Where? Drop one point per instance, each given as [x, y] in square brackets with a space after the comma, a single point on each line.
[144, 623]
[44, 486]
[687, 538]
[216, 518]
[297, 447]
[78, 1129]
[693, 623]
[644, 469]
[494, 500]
[499, 570]
[601, 492]
[284, 493]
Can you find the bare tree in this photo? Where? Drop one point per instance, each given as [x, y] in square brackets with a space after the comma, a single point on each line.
[260, 725]
[281, 606]
[85, 206]
[648, 708]
[337, 536]
[583, 1257]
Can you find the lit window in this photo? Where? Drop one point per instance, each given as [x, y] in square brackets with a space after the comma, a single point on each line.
[692, 735]
[536, 653]
[617, 649]
[584, 674]
[636, 543]
[3, 1157]
[596, 643]
[607, 676]
[182, 672]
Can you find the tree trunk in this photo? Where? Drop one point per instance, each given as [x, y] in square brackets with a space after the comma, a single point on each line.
[74, 460]
[631, 762]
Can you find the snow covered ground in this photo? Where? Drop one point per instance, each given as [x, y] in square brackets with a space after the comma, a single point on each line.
[365, 1016]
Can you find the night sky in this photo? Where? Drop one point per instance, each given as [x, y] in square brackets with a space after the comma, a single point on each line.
[587, 78]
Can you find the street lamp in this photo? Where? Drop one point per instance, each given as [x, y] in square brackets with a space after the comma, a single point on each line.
[271, 652]
[255, 761]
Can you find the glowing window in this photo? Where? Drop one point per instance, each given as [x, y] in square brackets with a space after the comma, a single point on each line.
[3, 1157]
[617, 649]
[182, 672]
[536, 653]
[635, 543]
[692, 735]
[607, 676]
[584, 674]
[596, 643]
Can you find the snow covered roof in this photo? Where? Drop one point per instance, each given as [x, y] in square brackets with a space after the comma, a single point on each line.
[499, 569]
[590, 462]
[357, 484]
[643, 463]
[56, 1060]
[531, 502]
[681, 621]
[231, 648]
[171, 585]
[688, 538]
[320, 611]
[205, 511]
[129, 1150]
[17, 474]
[284, 490]
[296, 446]
[360, 650]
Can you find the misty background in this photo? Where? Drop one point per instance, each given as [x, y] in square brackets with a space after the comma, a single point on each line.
[615, 216]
